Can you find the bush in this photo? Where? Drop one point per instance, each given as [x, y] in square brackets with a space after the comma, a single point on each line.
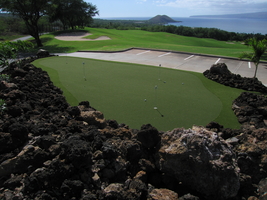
[9, 51]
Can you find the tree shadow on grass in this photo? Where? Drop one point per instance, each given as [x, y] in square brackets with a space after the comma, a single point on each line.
[57, 49]
[52, 48]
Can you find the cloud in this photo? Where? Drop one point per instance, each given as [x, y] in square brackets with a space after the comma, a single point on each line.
[141, 1]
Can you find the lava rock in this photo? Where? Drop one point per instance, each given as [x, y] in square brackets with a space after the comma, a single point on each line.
[220, 73]
[250, 109]
[148, 136]
[41, 53]
[199, 158]
[162, 194]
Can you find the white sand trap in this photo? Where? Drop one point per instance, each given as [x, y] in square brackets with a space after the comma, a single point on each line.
[78, 36]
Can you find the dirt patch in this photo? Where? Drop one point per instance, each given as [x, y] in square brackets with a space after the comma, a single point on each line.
[78, 36]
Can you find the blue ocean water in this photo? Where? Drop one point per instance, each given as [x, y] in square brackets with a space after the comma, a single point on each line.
[238, 25]
[228, 24]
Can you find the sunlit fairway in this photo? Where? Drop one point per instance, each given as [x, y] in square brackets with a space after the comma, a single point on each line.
[123, 39]
[139, 94]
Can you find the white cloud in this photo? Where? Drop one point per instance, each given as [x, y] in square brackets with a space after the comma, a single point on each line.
[141, 1]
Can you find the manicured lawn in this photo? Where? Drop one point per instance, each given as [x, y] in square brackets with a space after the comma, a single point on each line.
[123, 39]
[129, 93]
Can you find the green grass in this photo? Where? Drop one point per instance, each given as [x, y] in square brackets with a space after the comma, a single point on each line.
[119, 91]
[123, 39]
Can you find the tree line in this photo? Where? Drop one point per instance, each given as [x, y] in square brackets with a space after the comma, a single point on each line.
[70, 13]
[198, 32]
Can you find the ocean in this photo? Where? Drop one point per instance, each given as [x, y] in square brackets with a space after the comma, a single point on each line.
[228, 24]
[237, 25]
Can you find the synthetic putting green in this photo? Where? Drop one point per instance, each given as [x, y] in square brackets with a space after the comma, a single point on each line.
[135, 94]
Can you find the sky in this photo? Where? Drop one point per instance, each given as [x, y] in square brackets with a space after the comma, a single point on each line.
[175, 8]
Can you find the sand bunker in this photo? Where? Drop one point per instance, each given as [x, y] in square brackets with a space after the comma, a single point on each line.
[78, 36]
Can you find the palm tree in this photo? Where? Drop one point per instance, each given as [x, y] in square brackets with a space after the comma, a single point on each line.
[259, 47]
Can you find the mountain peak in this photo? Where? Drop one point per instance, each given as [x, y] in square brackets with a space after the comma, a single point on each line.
[161, 19]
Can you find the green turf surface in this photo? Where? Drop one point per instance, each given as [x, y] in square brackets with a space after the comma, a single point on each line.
[123, 39]
[129, 93]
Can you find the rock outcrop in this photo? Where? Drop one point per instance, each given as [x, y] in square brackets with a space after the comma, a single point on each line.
[200, 159]
[221, 74]
[50, 150]
[251, 110]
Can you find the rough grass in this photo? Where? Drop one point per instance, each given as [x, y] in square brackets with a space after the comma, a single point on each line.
[129, 92]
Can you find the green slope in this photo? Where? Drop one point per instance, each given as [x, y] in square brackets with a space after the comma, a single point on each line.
[123, 39]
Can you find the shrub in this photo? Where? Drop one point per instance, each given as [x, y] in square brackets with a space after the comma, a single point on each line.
[9, 51]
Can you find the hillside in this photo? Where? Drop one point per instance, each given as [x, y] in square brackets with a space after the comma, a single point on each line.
[161, 19]
[258, 15]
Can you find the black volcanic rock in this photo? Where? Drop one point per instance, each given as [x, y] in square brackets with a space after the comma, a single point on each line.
[204, 158]
[51, 150]
[221, 74]
[251, 109]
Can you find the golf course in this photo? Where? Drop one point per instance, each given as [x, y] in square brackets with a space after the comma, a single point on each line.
[139, 94]
[124, 39]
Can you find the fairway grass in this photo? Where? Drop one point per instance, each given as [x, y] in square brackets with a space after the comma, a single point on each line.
[124, 39]
[129, 93]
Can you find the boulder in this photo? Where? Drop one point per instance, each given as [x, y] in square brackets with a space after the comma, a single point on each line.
[41, 53]
[162, 194]
[95, 118]
[114, 191]
[220, 69]
[200, 159]
[148, 136]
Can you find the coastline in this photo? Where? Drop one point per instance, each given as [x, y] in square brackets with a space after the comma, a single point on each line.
[238, 25]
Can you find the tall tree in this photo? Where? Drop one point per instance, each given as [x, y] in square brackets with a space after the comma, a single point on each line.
[30, 11]
[259, 47]
[73, 13]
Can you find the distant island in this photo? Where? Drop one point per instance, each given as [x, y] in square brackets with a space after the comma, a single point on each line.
[257, 15]
[161, 19]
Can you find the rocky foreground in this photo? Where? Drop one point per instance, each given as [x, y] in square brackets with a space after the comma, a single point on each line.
[51, 150]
